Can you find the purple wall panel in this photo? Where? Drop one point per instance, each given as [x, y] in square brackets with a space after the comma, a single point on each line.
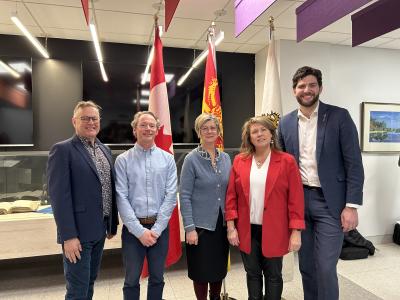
[379, 18]
[313, 15]
[246, 11]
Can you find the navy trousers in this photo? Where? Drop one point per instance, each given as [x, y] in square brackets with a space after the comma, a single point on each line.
[80, 277]
[321, 245]
[133, 253]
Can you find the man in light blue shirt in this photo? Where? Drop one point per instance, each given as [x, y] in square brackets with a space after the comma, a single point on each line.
[146, 184]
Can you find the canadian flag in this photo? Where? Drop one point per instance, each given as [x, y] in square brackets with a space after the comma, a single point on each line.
[158, 104]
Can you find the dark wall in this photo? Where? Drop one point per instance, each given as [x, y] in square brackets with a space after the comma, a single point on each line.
[57, 86]
[57, 83]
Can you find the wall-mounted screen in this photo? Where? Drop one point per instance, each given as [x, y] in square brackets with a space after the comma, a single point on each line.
[16, 116]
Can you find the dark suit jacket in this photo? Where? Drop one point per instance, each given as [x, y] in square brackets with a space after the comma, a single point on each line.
[283, 203]
[75, 192]
[338, 154]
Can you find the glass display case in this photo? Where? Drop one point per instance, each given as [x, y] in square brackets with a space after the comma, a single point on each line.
[27, 226]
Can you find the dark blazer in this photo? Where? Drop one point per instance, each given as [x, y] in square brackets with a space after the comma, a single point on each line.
[75, 192]
[283, 203]
[340, 168]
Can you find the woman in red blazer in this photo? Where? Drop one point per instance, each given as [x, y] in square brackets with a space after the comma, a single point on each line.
[264, 206]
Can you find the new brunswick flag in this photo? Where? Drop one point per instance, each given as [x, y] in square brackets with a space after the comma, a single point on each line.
[211, 100]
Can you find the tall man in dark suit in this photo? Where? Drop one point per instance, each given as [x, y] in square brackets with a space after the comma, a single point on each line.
[324, 141]
[82, 193]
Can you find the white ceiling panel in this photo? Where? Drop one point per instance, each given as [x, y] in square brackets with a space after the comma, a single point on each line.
[229, 31]
[288, 18]
[247, 48]
[125, 23]
[376, 42]
[329, 37]
[8, 8]
[187, 28]
[133, 6]
[394, 44]
[261, 36]
[343, 25]
[179, 43]
[58, 16]
[73, 3]
[13, 30]
[285, 34]
[124, 38]
[346, 42]
[230, 12]
[228, 47]
[395, 34]
[69, 34]
[198, 10]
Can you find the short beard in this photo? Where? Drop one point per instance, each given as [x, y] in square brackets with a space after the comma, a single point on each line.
[308, 104]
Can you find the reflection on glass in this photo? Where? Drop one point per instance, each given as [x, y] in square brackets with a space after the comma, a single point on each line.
[16, 120]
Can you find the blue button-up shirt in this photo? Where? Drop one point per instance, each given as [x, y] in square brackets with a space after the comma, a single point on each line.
[146, 184]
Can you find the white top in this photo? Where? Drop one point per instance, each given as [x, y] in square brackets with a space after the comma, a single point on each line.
[258, 179]
[307, 148]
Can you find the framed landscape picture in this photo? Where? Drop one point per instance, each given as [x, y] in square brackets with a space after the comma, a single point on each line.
[380, 131]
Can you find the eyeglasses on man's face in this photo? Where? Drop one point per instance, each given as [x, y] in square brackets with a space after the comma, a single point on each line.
[87, 119]
[147, 125]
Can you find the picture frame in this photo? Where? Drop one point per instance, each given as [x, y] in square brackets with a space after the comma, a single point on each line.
[380, 127]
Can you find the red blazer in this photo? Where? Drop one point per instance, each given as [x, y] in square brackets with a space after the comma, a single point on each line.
[283, 203]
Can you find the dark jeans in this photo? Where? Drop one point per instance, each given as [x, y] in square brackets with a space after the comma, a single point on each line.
[133, 253]
[321, 245]
[256, 265]
[80, 277]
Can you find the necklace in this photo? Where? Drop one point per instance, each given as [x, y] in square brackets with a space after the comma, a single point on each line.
[259, 163]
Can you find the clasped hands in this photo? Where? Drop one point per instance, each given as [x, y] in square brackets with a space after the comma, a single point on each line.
[148, 238]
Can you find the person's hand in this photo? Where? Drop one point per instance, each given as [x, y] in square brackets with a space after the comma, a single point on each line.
[192, 238]
[233, 236]
[349, 218]
[148, 239]
[110, 236]
[72, 250]
[295, 240]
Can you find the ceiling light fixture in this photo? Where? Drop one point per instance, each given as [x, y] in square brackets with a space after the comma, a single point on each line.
[199, 59]
[30, 37]
[9, 69]
[96, 42]
[150, 59]
[103, 71]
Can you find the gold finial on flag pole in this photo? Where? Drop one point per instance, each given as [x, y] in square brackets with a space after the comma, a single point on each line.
[211, 31]
[156, 19]
[271, 26]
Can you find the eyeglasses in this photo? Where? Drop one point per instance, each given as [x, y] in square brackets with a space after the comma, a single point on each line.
[211, 129]
[87, 119]
[147, 125]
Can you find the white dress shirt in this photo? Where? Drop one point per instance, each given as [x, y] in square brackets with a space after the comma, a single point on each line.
[307, 148]
[258, 179]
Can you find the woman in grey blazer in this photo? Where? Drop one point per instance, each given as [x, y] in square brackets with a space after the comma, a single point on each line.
[203, 183]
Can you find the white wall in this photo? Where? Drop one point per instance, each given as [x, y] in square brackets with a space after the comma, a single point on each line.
[350, 76]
